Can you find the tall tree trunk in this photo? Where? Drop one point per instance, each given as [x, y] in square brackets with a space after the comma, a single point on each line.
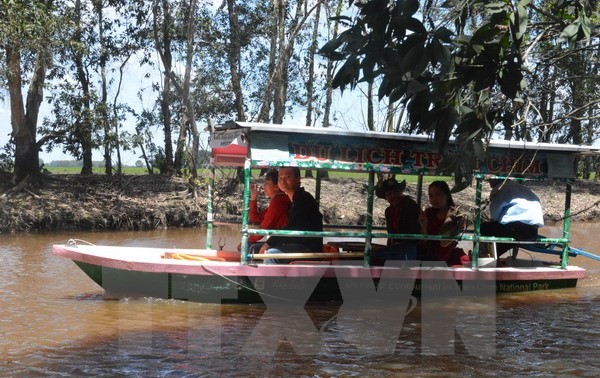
[104, 93]
[233, 54]
[286, 51]
[188, 108]
[389, 116]
[279, 79]
[265, 108]
[26, 151]
[310, 82]
[115, 117]
[163, 46]
[329, 69]
[187, 100]
[83, 127]
[370, 108]
[546, 106]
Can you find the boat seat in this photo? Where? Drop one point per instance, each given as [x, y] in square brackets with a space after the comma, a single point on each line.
[310, 262]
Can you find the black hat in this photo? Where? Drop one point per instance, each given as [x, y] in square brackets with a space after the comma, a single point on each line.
[387, 185]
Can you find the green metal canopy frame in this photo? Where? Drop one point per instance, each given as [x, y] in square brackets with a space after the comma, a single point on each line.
[253, 145]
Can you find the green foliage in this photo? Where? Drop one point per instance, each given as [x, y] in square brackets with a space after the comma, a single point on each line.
[6, 163]
[460, 69]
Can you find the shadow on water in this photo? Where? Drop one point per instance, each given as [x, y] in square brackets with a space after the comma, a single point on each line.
[55, 322]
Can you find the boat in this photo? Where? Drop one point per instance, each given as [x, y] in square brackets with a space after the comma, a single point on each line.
[344, 270]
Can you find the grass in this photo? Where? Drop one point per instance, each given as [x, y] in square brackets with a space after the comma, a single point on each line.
[255, 173]
[95, 170]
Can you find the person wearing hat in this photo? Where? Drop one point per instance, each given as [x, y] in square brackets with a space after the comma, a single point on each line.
[401, 217]
[516, 212]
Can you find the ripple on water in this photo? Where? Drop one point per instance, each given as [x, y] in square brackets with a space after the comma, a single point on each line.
[54, 321]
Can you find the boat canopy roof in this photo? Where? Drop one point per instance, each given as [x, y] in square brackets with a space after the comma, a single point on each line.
[271, 145]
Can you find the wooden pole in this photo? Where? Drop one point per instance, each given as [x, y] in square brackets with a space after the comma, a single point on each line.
[305, 255]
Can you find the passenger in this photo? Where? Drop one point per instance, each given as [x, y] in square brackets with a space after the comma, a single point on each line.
[516, 212]
[303, 215]
[441, 219]
[401, 217]
[274, 216]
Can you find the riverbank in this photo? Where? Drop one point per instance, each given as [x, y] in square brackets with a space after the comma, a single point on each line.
[143, 202]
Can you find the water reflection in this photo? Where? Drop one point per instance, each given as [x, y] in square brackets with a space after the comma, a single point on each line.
[54, 321]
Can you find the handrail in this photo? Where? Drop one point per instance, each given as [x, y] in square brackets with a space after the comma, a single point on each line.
[325, 225]
[305, 255]
[461, 237]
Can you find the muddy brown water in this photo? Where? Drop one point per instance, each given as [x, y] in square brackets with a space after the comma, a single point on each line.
[55, 322]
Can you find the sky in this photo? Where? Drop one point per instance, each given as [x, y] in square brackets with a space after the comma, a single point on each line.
[348, 111]
[133, 83]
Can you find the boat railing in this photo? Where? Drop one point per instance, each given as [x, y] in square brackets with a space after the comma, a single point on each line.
[251, 146]
[368, 236]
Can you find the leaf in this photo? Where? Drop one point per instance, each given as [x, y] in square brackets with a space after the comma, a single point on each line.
[416, 108]
[443, 34]
[461, 185]
[484, 33]
[448, 163]
[496, 7]
[523, 19]
[477, 48]
[569, 32]
[414, 87]
[368, 65]
[413, 61]
[415, 25]
[397, 93]
[346, 75]
[465, 110]
[340, 18]
[444, 123]
[479, 149]
[383, 87]
[469, 125]
[442, 54]
[411, 7]
[586, 26]
[510, 79]
[330, 47]
[448, 4]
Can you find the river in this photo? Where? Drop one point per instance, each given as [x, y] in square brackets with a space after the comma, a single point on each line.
[55, 322]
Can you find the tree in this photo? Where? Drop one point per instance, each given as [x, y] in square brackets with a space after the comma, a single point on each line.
[83, 108]
[262, 37]
[286, 40]
[188, 121]
[102, 35]
[329, 69]
[162, 30]
[461, 69]
[26, 31]
[234, 57]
